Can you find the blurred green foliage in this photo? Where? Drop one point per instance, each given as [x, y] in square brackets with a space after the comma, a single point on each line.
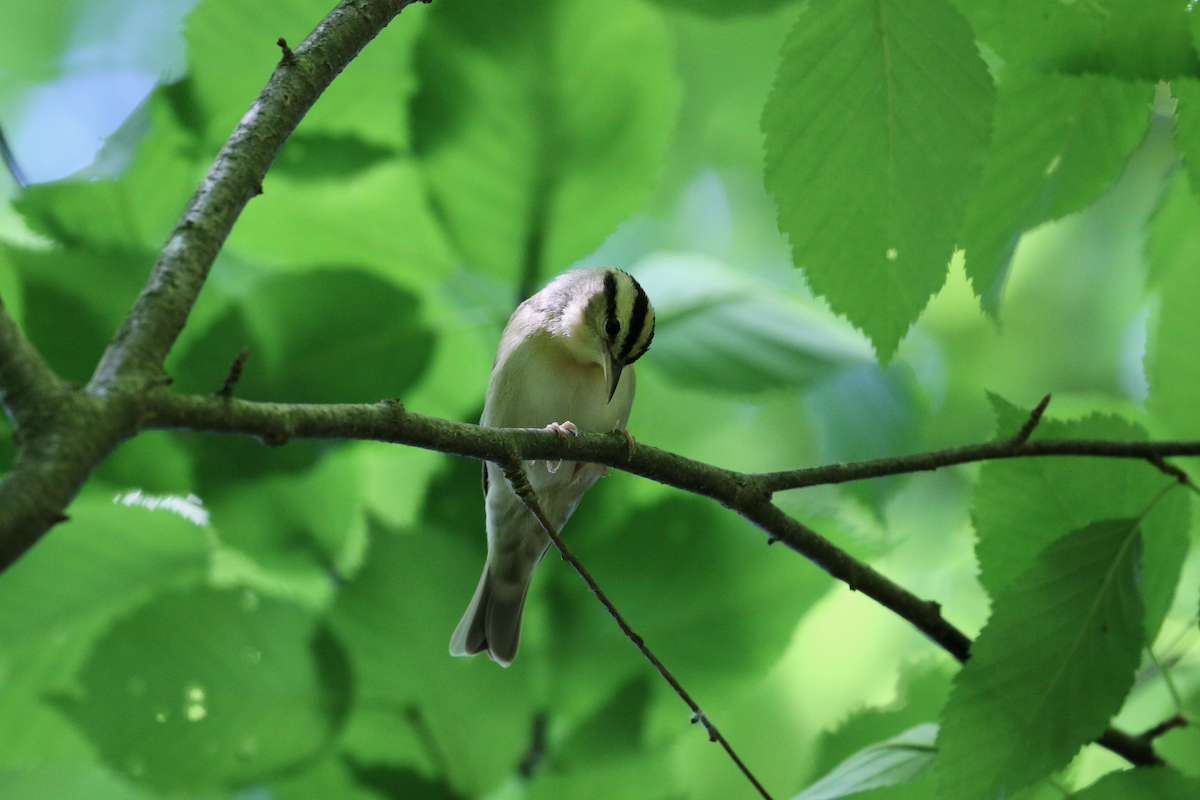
[220, 620]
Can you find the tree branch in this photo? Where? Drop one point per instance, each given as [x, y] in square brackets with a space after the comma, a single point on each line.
[748, 494]
[137, 351]
[988, 451]
[64, 431]
[517, 479]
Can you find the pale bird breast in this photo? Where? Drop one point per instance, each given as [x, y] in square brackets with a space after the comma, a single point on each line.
[540, 383]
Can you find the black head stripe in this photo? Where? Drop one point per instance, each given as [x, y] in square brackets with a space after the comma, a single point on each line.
[637, 321]
[649, 339]
[610, 300]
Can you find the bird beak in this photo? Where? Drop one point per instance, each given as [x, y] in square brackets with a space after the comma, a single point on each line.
[612, 373]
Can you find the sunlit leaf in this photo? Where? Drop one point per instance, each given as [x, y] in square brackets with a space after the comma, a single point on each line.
[875, 134]
[109, 559]
[540, 126]
[1144, 783]
[897, 760]
[1173, 255]
[396, 617]
[717, 329]
[1039, 685]
[1060, 141]
[1022, 505]
[375, 215]
[1131, 39]
[206, 689]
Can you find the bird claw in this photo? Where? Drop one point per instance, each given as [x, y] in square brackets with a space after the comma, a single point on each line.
[562, 429]
[629, 440]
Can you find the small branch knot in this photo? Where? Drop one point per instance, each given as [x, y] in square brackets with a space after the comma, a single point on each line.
[289, 58]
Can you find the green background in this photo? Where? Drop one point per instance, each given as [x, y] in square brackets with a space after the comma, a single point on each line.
[988, 204]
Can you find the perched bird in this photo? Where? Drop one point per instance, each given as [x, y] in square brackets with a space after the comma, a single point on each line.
[563, 364]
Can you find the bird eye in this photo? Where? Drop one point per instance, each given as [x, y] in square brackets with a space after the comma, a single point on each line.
[612, 328]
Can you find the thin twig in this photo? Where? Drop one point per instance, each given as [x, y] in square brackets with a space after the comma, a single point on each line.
[1150, 734]
[967, 454]
[1035, 417]
[515, 473]
[235, 373]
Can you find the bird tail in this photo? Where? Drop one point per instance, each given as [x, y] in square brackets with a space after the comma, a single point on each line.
[492, 623]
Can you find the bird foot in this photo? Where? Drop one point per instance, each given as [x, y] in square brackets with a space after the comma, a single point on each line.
[629, 440]
[562, 429]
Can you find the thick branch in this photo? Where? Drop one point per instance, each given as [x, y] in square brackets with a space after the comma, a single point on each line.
[148, 333]
[65, 431]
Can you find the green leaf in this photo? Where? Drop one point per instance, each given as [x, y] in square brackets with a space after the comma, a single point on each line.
[921, 692]
[615, 730]
[205, 689]
[1187, 127]
[869, 412]
[1173, 251]
[1022, 505]
[398, 783]
[134, 211]
[717, 329]
[1143, 783]
[1181, 746]
[376, 215]
[724, 8]
[64, 779]
[317, 328]
[60, 597]
[708, 596]
[396, 617]
[72, 350]
[328, 156]
[1132, 39]
[540, 126]
[1050, 668]
[309, 335]
[876, 131]
[897, 760]
[1060, 141]
[92, 287]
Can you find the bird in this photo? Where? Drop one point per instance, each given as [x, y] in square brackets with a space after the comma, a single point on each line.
[564, 363]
